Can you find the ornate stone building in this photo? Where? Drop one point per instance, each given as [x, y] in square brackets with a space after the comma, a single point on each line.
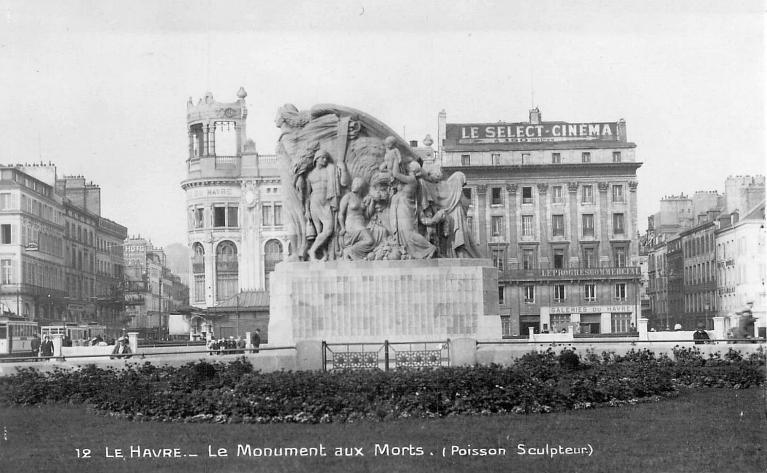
[741, 270]
[152, 291]
[61, 260]
[234, 206]
[691, 248]
[554, 205]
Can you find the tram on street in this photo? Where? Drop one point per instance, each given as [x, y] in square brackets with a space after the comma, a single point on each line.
[16, 335]
[77, 333]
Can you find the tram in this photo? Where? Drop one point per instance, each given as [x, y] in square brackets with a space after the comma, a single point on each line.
[16, 335]
[77, 333]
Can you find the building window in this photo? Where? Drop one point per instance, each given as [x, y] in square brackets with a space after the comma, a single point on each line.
[590, 292]
[559, 293]
[585, 157]
[618, 193]
[528, 259]
[5, 234]
[556, 158]
[616, 156]
[559, 258]
[226, 270]
[527, 225]
[529, 294]
[272, 256]
[496, 222]
[589, 257]
[587, 195]
[498, 257]
[621, 323]
[527, 195]
[5, 201]
[496, 159]
[6, 268]
[500, 294]
[620, 291]
[219, 216]
[231, 217]
[495, 196]
[588, 225]
[556, 195]
[465, 160]
[266, 216]
[278, 214]
[618, 224]
[224, 216]
[558, 225]
[619, 256]
[526, 158]
[199, 288]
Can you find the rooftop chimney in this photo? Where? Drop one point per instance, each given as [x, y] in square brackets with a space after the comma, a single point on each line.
[535, 116]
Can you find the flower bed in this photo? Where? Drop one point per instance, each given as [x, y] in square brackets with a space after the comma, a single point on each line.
[233, 392]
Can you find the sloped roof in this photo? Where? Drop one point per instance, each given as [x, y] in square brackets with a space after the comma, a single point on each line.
[757, 213]
[244, 299]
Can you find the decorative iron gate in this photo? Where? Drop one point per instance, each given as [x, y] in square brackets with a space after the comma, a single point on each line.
[385, 356]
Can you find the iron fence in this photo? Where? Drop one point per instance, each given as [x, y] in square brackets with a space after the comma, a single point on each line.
[385, 356]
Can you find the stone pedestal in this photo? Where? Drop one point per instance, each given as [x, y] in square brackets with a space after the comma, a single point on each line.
[133, 341]
[463, 352]
[721, 325]
[642, 328]
[57, 344]
[308, 355]
[372, 301]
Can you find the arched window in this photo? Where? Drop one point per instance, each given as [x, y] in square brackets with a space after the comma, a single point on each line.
[272, 256]
[226, 270]
[198, 269]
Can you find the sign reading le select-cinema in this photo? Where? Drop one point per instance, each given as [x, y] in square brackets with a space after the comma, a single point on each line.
[514, 132]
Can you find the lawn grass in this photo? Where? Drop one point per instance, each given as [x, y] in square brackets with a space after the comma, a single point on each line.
[712, 430]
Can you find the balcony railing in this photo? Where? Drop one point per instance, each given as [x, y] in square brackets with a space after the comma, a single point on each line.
[227, 162]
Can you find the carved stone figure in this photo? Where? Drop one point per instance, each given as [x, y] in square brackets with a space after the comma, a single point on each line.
[354, 189]
[356, 238]
[404, 213]
[448, 196]
[323, 185]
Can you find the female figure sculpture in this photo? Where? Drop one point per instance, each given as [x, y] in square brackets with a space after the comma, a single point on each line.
[357, 240]
[404, 213]
[290, 121]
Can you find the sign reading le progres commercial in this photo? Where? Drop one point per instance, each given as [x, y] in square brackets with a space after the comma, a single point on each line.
[527, 132]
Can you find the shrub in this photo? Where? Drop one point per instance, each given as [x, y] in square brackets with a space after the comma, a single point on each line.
[233, 392]
[568, 360]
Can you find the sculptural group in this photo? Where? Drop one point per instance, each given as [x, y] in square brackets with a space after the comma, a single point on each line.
[355, 190]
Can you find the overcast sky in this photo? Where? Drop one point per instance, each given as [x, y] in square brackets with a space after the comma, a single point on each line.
[100, 87]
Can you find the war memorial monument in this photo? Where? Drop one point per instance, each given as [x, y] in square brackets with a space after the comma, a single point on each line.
[379, 246]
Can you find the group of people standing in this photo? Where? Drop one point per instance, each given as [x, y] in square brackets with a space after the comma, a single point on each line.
[42, 348]
[233, 345]
[45, 349]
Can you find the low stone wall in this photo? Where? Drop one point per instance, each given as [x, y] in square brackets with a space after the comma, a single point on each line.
[505, 354]
[266, 361]
[307, 355]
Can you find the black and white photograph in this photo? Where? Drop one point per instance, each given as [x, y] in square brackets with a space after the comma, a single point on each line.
[383, 236]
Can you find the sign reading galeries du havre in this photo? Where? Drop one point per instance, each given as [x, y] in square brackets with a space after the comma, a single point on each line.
[527, 132]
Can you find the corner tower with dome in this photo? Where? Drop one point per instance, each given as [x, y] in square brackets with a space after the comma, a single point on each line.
[234, 210]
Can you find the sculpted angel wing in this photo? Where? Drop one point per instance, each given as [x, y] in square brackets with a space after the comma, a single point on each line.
[371, 125]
